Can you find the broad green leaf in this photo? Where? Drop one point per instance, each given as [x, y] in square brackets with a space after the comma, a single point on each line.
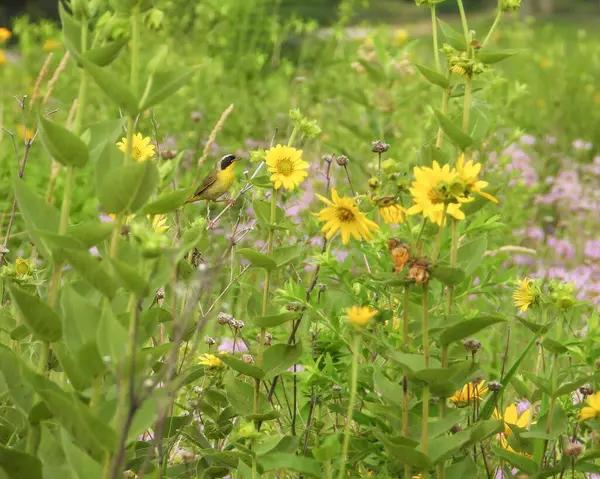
[37, 214]
[54, 462]
[90, 233]
[469, 327]
[569, 387]
[456, 135]
[82, 466]
[106, 54]
[164, 84]
[144, 418]
[127, 188]
[453, 38]
[77, 377]
[112, 338]
[432, 76]
[471, 254]
[194, 237]
[448, 274]
[279, 358]
[90, 270]
[285, 255]
[463, 469]
[262, 181]
[241, 366]
[241, 397]
[19, 465]
[130, 278]
[71, 30]
[484, 429]
[12, 368]
[554, 346]
[411, 362]
[41, 319]
[490, 55]
[521, 462]
[443, 447]
[390, 391]
[63, 145]
[538, 329]
[98, 135]
[80, 318]
[274, 320]
[57, 242]
[262, 211]
[284, 460]
[20, 332]
[167, 202]
[258, 259]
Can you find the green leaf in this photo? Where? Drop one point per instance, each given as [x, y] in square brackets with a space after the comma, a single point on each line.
[432, 76]
[164, 84]
[20, 332]
[279, 358]
[569, 387]
[37, 214]
[106, 54]
[285, 255]
[71, 30]
[521, 462]
[469, 327]
[484, 429]
[443, 447]
[111, 338]
[112, 85]
[274, 320]
[98, 135]
[130, 278]
[90, 270]
[391, 392]
[12, 368]
[58, 242]
[167, 202]
[448, 274]
[328, 450]
[535, 328]
[90, 233]
[258, 259]
[411, 363]
[127, 188]
[456, 135]
[52, 456]
[41, 319]
[463, 469]
[82, 466]
[77, 378]
[471, 254]
[63, 145]
[284, 460]
[80, 318]
[19, 465]
[262, 181]
[241, 366]
[453, 38]
[489, 55]
[554, 346]
[241, 398]
[144, 417]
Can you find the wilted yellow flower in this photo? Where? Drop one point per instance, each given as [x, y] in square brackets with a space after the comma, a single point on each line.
[141, 149]
[511, 417]
[51, 44]
[468, 173]
[25, 133]
[22, 267]
[468, 394]
[592, 409]
[5, 34]
[287, 167]
[210, 361]
[392, 214]
[343, 214]
[434, 188]
[159, 223]
[524, 295]
[360, 315]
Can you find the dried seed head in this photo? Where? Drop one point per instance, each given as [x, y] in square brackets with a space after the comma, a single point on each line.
[268, 339]
[247, 358]
[293, 306]
[322, 288]
[336, 388]
[168, 154]
[237, 324]
[379, 146]
[472, 345]
[400, 253]
[573, 449]
[187, 456]
[210, 341]
[586, 390]
[160, 294]
[328, 158]
[419, 271]
[196, 116]
[494, 386]
[373, 183]
[224, 318]
[342, 160]
[456, 428]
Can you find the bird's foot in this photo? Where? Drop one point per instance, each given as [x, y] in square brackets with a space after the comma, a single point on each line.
[231, 202]
[212, 225]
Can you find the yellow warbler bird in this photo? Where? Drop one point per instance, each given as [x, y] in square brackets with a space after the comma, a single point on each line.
[217, 182]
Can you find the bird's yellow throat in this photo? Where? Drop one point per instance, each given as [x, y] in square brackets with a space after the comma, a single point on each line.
[227, 175]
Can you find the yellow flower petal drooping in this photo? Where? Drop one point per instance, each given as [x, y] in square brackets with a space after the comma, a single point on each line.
[159, 223]
[343, 215]
[286, 166]
[592, 409]
[141, 149]
[434, 188]
[210, 361]
[468, 394]
[511, 417]
[5, 34]
[51, 44]
[393, 214]
[524, 295]
[360, 315]
[468, 172]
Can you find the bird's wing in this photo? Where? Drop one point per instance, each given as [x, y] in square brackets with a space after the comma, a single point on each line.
[206, 183]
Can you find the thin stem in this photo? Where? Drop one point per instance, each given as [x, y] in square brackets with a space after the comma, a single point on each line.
[438, 240]
[436, 49]
[445, 100]
[405, 342]
[494, 25]
[353, 384]
[453, 256]
[463, 19]
[425, 395]
[135, 44]
[467, 104]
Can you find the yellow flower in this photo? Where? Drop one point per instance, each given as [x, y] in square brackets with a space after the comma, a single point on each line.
[22, 267]
[210, 361]
[597, 97]
[592, 409]
[468, 173]
[360, 315]
[400, 37]
[51, 44]
[141, 148]
[545, 63]
[5, 34]
[434, 187]
[287, 167]
[469, 393]
[511, 416]
[25, 133]
[524, 295]
[2, 57]
[392, 214]
[343, 214]
[159, 223]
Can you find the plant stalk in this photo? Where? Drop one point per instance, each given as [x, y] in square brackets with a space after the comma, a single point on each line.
[425, 396]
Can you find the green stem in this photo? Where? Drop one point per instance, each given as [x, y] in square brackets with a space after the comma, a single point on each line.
[353, 384]
[436, 50]
[405, 342]
[463, 19]
[135, 50]
[494, 25]
[445, 100]
[34, 430]
[438, 240]
[425, 395]
[467, 104]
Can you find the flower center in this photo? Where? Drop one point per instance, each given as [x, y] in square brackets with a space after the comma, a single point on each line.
[136, 152]
[285, 166]
[344, 215]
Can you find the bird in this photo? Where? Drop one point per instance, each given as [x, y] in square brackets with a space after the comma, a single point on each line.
[217, 182]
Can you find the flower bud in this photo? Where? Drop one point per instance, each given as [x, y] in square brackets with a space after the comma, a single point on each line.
[456, 428]
[336, 388]
[237, 324]
[510, 5]
[586, 390]
[342, 160]
[153, 18]
[472, 345]
[224, 318]
[268, 339]
[293, 306]
[322, 288]
[373, 183]
[295, 115]
[196, 116]
[573, 449]
[210, 341]
[379, 146]
[248, 359]
[23, 267]
[494, 386]
[419, 271]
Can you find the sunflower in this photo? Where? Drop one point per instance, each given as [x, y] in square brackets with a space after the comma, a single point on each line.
[434, 188]
[2, 57]
[159, 223]
[5, 34]
[468, 172]
[210, 361]
[51, 44]
[25, 133]
[469, 393]
[287, 167]
[592, 409]
[511, 417]
[141, 149]
[525, 295]
[360, 315]
[343, 214]
[392, 213]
